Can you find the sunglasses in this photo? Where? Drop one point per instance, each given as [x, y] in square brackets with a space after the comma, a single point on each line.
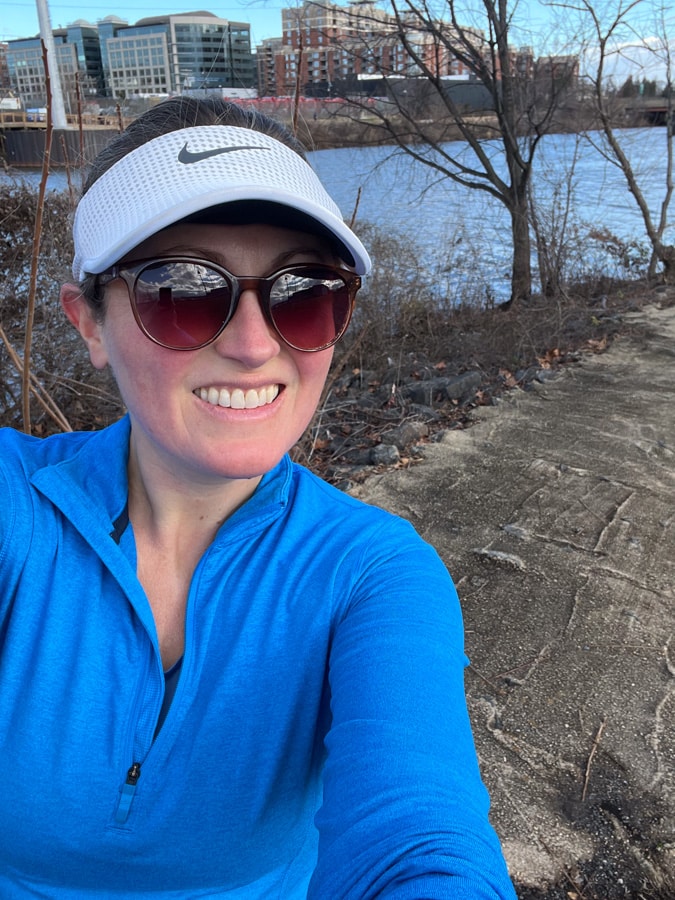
[183, 303]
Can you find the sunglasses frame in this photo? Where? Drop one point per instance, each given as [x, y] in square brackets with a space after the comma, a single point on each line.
[130, 272]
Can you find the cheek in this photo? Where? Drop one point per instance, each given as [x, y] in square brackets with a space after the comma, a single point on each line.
[313, 369]
[135, 361]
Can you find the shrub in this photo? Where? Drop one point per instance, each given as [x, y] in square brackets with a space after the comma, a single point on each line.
[59, 362]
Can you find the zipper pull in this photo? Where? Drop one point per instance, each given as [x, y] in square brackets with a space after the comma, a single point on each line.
[127, 794]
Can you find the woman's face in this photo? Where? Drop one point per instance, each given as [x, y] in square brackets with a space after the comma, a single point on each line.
[172, 396]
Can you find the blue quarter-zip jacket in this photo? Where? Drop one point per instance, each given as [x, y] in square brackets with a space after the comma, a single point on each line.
[318, 743]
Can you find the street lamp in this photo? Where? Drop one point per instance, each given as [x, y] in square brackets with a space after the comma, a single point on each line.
[57, 107]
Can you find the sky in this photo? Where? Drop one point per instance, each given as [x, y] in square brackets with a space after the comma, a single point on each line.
[539, 23]
[18, 18]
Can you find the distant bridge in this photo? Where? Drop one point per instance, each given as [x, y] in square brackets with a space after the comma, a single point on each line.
[653, 110]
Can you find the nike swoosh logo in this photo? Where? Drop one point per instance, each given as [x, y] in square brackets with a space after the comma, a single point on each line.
[187, 156]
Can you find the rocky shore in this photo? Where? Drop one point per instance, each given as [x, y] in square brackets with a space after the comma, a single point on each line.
[370, 420]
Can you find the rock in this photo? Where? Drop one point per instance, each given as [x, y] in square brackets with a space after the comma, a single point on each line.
[357, 456]
[510, 560]
[384, 455]
[425, 413]
[438, 390]
[405, 434]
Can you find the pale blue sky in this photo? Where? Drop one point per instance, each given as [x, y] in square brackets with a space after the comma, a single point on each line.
[547, 26]
[19, 17]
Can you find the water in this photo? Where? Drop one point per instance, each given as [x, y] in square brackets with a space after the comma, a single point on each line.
[461, 236]
[464, 233]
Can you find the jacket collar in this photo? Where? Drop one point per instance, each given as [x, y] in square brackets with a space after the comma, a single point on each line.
[90, 486]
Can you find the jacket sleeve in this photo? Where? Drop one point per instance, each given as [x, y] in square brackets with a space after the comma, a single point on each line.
[405, 813]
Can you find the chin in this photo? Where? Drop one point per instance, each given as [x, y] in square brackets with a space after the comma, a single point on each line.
[248, 465]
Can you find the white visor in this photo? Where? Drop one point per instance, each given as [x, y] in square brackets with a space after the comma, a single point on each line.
[191, 170]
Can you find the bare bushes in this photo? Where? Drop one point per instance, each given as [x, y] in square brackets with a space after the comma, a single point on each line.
[402, 304]
[407, 308]
[59, 363]
[574, 257]
[581, 258]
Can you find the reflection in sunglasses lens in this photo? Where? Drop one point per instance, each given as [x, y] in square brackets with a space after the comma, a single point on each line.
[309, 311]
[182, 305]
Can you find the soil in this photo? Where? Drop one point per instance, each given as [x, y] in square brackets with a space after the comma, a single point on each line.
[555, 513]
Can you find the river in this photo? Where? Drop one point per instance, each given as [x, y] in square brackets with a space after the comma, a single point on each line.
[463, 235]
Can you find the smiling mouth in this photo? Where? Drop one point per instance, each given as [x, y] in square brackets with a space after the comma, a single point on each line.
[237, 398]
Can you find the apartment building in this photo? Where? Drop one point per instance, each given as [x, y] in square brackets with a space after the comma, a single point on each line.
[267, 54]
[4, 70]
[326, 48]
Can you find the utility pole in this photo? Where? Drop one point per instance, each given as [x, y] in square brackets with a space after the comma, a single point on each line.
[58, 109]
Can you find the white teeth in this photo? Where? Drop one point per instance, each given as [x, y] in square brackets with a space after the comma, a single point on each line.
[237, 398]
[238, 401]
[253, 399]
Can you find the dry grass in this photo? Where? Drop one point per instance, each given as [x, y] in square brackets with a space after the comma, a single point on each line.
[60, 368]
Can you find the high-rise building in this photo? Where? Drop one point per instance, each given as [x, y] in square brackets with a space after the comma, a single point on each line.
[27, 71]
[169, 54]
[155, 56]
[84, 37]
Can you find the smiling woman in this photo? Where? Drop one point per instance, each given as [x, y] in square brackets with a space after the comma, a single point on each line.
[246, 683]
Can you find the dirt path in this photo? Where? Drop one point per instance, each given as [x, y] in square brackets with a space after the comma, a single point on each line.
[556, 516]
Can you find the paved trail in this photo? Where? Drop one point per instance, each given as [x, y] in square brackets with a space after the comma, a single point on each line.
[556, 516]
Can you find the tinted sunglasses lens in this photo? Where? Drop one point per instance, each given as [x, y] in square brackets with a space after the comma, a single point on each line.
[182, 305]
[310, 308]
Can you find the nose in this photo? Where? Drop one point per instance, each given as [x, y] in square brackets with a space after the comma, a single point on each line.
[248, 337]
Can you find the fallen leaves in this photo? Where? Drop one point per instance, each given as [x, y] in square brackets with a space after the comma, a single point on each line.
[550, 358]
[508, 378]
[597, 346]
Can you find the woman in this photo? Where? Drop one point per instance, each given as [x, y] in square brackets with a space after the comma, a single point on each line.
[220, 677]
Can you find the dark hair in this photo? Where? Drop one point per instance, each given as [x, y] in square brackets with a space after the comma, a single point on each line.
[186, 112]
[172, 115]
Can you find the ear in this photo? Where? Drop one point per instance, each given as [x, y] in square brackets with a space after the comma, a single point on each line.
[80, 314]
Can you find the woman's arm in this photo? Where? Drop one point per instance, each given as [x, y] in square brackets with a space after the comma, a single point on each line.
[405, 811]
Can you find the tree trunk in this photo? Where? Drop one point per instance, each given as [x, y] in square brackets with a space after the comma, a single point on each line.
[668, 260]
[521, 271]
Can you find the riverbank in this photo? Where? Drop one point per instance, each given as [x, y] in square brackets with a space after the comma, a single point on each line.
[442, 376]
[24, 147]
[320, 125]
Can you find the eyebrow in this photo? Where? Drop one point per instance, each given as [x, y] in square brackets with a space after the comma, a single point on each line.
[321, 254]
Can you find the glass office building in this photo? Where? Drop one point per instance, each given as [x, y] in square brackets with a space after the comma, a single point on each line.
[26, 70]
[181, 52]
[155, 56]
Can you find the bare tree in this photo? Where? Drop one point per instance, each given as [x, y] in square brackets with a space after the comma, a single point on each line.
[523, 99]
[618, 35]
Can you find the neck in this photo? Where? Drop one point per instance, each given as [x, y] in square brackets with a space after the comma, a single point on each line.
[175, 510]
